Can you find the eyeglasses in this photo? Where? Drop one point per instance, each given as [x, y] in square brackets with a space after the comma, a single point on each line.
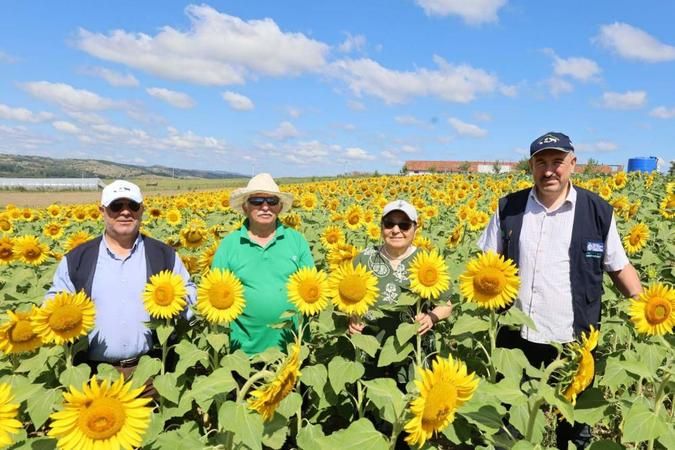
[403, 226]
[118, 206]
[258, 201]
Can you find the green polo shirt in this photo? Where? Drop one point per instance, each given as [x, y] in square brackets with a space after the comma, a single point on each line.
[264, 272]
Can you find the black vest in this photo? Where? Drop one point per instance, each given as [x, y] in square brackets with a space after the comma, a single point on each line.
[82, 261]
[592, 218]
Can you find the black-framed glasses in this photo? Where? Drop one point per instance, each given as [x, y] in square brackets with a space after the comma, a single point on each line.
[403, 225]
[258, 201]
[117, 206]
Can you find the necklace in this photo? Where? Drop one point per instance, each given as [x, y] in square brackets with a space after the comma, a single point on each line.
[391, 258]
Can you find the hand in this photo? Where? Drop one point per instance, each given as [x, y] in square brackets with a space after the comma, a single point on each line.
[355, 325]
[426, 322]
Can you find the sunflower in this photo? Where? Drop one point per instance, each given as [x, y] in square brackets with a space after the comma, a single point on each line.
[7, 254]
[53, 230]
[331, 236]
[164, 295]
[30, 250]
[53, 211]
[8, 412]
[64, 317]
[636, 239]
[341, 253]
[6, 223]
[308, 202]
[442, 389]
[292, 220]
[191, 263]
[429, 274]
[266, 399]
[105, 415]
[353, 289]
[354, 217]
[605, 192]
[653, 312]
[221, 296]
[308, 290]
[193, 235]
[455, 237]
[18, 335]
[374, 232]
[490, 281]
[586, 365]
[206, 257]
[77, 239]
[79, 213]
[173, 217]
[667, 206]
[422, 242]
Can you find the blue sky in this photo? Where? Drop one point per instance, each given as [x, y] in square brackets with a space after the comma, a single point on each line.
[321, 88]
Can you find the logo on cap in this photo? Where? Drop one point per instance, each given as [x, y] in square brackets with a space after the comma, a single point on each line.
[548, 139]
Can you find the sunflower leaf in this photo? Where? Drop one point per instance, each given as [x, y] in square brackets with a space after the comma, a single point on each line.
[342, 372]
[514, 316]
[642, 424]
[406, 331]
[386, 396]
[367, 343]
[147, 367]
[189, 355]
[40, 406]
[591, 406]
[163, 332]
[247, 426]
[75, 376]
[166, 386]
[237, 362]
[469, 324]
[360, 435]
[315, 377]
[393, 352]
[309, 436]
[407, 299]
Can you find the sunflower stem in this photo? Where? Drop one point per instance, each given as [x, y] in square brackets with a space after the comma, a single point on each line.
[395, 431]
[492, 333]
[241, 395]
[68, 351]
[532, 419]
[418, 337]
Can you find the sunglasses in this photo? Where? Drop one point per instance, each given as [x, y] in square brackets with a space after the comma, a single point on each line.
[118, 206]
[403, 226]
[258, 201]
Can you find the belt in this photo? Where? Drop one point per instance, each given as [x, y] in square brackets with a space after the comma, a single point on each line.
[129, 362]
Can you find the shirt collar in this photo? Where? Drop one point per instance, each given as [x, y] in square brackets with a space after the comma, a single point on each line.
[138, 243]
[278, 233]
[571, 198]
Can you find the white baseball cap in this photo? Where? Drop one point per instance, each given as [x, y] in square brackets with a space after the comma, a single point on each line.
[121, 189]
[403, 206]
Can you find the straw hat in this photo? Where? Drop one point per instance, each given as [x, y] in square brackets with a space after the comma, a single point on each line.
[260, 184]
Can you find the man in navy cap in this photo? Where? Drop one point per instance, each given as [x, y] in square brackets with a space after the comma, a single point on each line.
[562, 238]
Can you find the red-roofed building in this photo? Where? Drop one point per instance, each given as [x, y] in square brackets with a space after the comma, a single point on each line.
[423, 167]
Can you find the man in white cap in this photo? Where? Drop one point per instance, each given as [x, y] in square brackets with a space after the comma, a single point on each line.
[263, 253]
[113, 270]
[562, 238]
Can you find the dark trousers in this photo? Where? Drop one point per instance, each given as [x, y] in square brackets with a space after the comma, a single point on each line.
[578, 434]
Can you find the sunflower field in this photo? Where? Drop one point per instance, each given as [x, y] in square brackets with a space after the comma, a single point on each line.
[451, 389]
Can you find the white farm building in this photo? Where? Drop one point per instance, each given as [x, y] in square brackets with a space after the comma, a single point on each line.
[51, 184]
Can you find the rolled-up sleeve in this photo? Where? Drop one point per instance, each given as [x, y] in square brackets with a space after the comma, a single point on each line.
[180, 269]
[61, 281]
[615, 256]
[490, 240]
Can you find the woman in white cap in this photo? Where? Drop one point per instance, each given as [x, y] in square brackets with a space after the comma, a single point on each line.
[390, 262]
[263, 253]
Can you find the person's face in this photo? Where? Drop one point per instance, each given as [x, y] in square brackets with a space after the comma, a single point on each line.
[259, 211]
[120, 218]
[395, 237]
[551, 170]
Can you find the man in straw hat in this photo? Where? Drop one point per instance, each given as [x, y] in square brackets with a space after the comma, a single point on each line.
[262, 254]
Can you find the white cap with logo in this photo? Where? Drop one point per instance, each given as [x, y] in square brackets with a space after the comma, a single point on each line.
[403, 206]
[121, 189]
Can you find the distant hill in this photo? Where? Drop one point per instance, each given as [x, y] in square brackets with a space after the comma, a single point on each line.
[21, 166]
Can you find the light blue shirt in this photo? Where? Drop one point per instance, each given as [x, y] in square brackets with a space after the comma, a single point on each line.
[117, 293]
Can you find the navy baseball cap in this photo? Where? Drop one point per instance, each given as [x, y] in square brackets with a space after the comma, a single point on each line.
[551, 140]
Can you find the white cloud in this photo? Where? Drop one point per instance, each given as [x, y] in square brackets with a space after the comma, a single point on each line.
[89, 118]
[357, 153]
[661, 112]
[238, 101]
[283, 132]
[66, 127]
[633, 43]
[409, 148]
[13, 138]
[467, 129]
[557, 86]
[68, 97]
[483, 116]
[391, 158]
[625, 100]
[7, 59]
[582, 69]
[352, 43]
[356, 106]
[174, 98]
[294, 112]
[408, 120]
[310, 152]
[114, 78]
[23, 114]
[597, 147]
[472, 12]
[218, 49]
[459, 84]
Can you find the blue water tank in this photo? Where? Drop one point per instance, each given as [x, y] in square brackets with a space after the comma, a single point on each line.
[642, 164]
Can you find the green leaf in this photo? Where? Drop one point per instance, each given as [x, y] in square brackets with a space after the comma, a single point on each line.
[147, 367]
[309, 436]
[606, 445]
[314, 376]
[23, 388]
[511, 362]
[487, 418]
[638, 368]
[166, 386]
[591, 406]
[342, 372]
[650, 258]
[469, 324]
[163, 332]
[651, 355]
[523, 445]
[387, 397]
[290, 405]
[275, 432]
[360, 435]
[237, 362]
[205, 388]
[105, 371]
[506, 391]
[555, 399]
[189, 355]
[515, 317]
[406, 331]
[520, 416]
[393, 352]
[406, 298]
[154, 429]
[367, 343]
[187, 437]
[615, 376]
[247, 426]
[641, 424]
[217, 340]
[75, 376]
[41, 406]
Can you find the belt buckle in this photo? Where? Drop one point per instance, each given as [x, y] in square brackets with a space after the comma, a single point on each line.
[128, 362]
